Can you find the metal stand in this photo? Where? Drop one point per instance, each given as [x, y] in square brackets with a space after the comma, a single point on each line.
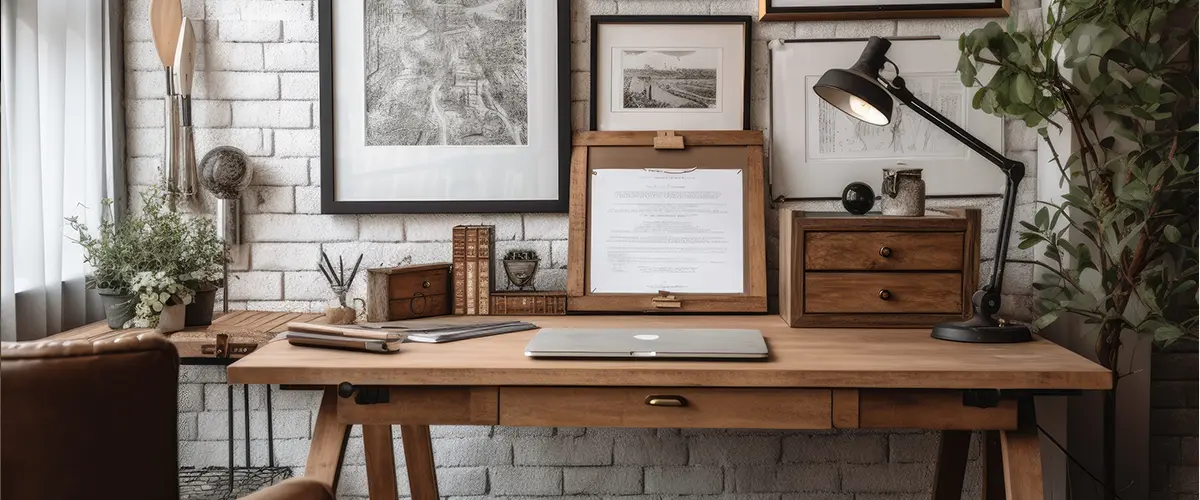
[196, 483]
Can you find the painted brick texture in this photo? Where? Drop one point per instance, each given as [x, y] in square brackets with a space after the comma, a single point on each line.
[1174, 451]
[257, 89]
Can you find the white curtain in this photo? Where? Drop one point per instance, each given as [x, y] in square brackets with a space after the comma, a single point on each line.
[55, 160]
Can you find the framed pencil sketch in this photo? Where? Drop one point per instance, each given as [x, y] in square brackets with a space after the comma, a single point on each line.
[445, 107]
[817, 150]
[670, 73]
[814, 10]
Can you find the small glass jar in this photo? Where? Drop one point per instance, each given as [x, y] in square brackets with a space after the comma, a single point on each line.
[339, 311]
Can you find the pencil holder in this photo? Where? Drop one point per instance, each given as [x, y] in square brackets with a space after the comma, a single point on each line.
[339, 310]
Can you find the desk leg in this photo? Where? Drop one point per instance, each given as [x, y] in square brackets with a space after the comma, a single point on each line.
[951, 465]
[993, 467]
[381, 462]
[1022, 464]
[418, 457]
[328, 443]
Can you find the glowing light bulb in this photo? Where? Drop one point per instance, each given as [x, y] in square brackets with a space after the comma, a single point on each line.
[866, 112]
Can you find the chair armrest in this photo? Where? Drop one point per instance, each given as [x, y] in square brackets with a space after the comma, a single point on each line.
[132, 341]
[296, 488]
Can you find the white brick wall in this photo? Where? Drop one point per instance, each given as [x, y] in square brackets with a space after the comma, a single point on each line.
[258, 90]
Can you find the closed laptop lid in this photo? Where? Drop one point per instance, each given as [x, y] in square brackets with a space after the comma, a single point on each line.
[647, 343]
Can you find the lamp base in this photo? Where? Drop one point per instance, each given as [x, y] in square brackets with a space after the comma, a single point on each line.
[980, 334]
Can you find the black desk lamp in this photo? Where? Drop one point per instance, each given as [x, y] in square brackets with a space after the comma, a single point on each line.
[859, 92]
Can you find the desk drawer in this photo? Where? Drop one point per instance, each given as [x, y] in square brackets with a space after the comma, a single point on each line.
[883, 251]
[899, 293]
[668, 407]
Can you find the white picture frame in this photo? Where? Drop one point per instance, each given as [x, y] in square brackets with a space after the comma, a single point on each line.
[817, 150]
[692, 73]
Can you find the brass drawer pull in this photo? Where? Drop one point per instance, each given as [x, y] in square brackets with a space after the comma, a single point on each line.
[661, 400]
[425, 284]
[885, 294]
[885, 252]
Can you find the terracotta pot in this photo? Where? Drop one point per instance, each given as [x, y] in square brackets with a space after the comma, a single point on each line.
[171, 319]
[118, 308]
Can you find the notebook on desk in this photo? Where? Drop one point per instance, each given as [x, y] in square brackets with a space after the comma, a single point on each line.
[641, 343]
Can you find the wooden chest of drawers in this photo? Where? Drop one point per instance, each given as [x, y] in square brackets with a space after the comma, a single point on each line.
[407, 292]
[841, 270]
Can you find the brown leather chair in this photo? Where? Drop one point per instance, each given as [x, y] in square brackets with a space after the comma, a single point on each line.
[97, 420]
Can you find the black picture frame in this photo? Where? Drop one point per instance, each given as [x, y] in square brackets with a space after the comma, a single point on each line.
[330, 205]
[831, 11]
[746, 21]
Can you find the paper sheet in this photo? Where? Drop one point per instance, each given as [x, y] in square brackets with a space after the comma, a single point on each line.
[666, 229]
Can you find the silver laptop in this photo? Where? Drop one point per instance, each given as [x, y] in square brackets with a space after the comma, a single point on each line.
[646, 343]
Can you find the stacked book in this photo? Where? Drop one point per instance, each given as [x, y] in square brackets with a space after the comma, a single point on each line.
[472, 252]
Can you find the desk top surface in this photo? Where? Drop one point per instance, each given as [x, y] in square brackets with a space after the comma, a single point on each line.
[827, 357]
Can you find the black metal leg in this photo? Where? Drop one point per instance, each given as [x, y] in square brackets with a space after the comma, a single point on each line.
[270, 431]
[246, 419]
[229, 400]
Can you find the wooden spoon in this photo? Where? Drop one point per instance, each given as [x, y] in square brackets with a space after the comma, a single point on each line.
[166, 16]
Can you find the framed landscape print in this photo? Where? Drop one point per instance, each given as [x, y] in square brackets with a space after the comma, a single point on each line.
[445, 106]
[670, 73]
[811, 10]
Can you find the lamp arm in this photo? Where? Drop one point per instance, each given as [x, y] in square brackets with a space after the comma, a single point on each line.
[989, 302]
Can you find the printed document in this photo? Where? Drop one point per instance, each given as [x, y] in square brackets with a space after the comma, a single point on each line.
[675, 230]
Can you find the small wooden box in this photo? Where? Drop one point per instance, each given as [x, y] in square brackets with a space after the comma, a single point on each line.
[407, 292]
[842, 270]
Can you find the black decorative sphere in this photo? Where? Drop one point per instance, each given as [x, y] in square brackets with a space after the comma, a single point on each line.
[858, 198]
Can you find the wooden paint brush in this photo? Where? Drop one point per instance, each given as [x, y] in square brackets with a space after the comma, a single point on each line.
[166, 19]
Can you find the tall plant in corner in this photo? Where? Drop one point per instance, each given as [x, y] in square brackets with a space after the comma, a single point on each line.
[1120, 78]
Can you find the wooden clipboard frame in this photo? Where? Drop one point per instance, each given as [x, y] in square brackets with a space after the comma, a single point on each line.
[638, 150]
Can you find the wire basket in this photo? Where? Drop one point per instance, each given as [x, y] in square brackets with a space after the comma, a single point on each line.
[212, 483]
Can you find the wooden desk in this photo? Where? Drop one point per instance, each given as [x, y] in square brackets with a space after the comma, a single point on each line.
[245, 331]
[814, 379]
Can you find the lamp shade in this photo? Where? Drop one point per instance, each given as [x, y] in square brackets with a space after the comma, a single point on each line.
[856, 95]
[856, 91]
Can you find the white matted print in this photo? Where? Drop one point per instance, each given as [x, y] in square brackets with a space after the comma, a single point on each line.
[816, 150]
[667, 75]
[444, 106]
[656, 80]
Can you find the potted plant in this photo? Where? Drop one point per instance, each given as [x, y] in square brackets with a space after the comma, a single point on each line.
[1119, 250]
[201, 266]
[112, 254]
[160, 301]
[521, 266]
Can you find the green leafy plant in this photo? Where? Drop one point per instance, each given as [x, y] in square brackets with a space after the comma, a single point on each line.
[203, 256]
[152, 293]
[520, 255]
[185, 250]
[1119, 250]
[112, 252]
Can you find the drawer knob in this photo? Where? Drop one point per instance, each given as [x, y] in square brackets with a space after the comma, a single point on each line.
[661, 400]
[885, 252]
[425, 284]
[885, 294]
